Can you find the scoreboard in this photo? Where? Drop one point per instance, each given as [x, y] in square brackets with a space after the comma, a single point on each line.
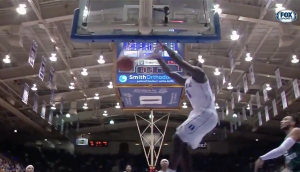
[98, 143]
[149, 66]
[147, 71]
[133, 85]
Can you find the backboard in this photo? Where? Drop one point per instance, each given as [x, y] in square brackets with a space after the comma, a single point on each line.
[185, 21]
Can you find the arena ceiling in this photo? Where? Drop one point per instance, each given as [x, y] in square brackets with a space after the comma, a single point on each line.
[48, 22]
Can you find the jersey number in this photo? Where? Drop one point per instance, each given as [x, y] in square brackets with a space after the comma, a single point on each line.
[188, 94]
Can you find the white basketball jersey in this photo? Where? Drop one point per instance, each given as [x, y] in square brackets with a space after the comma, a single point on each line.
[200, 95]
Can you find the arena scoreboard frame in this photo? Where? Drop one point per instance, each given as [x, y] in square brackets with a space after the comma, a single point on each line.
[147, 71]
[146, 86]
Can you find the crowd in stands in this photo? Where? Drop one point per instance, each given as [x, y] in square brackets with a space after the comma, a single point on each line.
[15, 158]
[9, 165]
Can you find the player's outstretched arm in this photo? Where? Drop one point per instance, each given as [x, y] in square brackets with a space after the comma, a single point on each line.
[292, 138]
[197, 73]
[275, 153]
[178, 78]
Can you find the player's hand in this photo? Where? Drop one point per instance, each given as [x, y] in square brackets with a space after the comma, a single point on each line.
[258, 164]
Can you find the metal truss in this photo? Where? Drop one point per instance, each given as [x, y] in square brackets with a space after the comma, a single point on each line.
[151, 154]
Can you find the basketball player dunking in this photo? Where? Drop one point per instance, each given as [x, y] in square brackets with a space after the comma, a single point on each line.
[201, 120]
[290, 147]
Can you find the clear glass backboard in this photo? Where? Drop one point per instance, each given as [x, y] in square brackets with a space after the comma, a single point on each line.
[146, 21]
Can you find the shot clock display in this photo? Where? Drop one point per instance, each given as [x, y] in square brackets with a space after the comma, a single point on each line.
[146, 66]
[147, 71]
[98, 143]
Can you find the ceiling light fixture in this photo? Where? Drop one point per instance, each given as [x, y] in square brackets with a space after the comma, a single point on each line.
[7, 59]
[53, 57]
[101, 60]
[229, 87]
[268, 87]
[184, 105]
[96, 97]
[72, 86]
[84, 72]
[295, 59]
[21, 9]
[34, 88]
[217, 106]
[200, 59]
[110, 85]
[118, 106]
[85, 106]
[111, 122]
[279, 7]
[217, 72]
[105, 113]
[217, 9]
[234, 36]
[248, 57]
[53, 107]
[248, 107]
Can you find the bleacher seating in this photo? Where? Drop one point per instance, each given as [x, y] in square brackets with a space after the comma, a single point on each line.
[46, 160]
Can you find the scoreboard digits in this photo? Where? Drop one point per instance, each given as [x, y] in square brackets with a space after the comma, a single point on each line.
[134, 47]
[149, 66]
[97, 143]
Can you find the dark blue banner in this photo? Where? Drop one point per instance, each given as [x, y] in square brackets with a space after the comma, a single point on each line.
[158, 97]
[147, 71]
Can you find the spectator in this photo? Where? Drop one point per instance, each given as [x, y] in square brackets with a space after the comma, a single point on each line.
[29, 168]
[128, 168]
[61, 161]
[164, 164]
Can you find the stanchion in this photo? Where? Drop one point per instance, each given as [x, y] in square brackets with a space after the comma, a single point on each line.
[151, 155]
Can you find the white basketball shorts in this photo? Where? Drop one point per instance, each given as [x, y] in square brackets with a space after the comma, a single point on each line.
[196, 126]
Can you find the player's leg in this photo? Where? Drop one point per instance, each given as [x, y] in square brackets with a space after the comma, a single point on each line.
[190, 133]
[186, 160]
[179, 143]
[176, 155]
